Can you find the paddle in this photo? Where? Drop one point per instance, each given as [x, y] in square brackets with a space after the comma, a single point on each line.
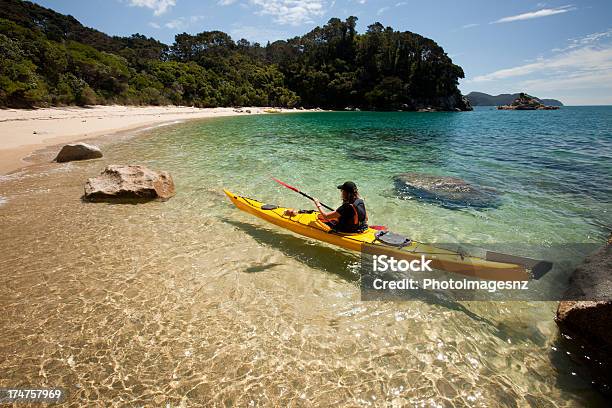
[376, 227]
[301, 192]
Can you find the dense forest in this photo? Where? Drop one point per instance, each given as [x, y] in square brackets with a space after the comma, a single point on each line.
[51, 59]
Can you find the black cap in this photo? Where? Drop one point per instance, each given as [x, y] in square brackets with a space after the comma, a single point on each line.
[348, 186]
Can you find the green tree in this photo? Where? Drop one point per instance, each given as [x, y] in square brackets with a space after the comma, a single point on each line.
[50, 58]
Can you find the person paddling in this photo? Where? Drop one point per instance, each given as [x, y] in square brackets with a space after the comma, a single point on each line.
[351, 216]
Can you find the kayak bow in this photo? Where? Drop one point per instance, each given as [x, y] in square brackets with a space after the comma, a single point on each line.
[308, 225]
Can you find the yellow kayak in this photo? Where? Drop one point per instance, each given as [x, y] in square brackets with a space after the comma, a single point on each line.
[381, 243]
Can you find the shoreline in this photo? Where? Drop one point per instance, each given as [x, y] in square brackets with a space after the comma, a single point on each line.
[27, 131]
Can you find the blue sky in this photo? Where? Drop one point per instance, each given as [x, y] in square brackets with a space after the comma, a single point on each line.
[558, 49]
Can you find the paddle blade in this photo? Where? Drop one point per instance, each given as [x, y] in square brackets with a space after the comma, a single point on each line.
[379, 227]
[538, 268]
[286, 185]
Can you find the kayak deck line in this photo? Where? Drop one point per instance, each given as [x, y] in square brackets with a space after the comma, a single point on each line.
[308, 225]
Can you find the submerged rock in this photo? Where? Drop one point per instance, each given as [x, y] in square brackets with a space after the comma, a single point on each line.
[448, 192]
[78, 151]
[129, 183]
[586, 317]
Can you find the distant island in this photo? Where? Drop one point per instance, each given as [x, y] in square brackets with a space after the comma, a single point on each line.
[527, 102]
[51, 59]
[483, 99]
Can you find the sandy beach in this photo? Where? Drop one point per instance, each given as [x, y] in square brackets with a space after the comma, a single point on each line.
[25, 131]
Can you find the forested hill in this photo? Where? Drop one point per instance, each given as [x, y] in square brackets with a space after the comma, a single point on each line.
[47, 58]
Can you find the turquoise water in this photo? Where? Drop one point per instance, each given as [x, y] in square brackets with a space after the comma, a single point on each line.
[191, 302]
[553, 169]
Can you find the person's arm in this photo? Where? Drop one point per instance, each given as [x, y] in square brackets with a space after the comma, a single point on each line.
[328, 216]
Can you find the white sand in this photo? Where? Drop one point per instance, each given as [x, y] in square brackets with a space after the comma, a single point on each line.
[24, 131]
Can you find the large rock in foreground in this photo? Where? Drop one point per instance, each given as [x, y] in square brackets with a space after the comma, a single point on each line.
[586, 317]
[448, 192]
[129, 183]
[78, 151]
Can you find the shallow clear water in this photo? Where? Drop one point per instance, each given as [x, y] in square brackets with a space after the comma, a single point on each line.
[193, 302]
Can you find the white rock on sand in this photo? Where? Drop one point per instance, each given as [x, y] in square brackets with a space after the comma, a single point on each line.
[118, 182]
[78, 151]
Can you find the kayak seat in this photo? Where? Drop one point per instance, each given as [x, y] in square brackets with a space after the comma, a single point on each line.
[269, 207]
[393, 239]
[329, 228]
[359, 232]
[347, 234]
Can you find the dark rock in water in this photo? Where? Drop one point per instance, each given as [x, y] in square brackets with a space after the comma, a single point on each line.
[78, 151]
[586, 317]
[129, 183]
[448, 192]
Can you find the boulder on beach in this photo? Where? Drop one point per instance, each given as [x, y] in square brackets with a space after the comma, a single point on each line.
[585, 318]
[78, 151]
[129, 183]
[448, 192]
